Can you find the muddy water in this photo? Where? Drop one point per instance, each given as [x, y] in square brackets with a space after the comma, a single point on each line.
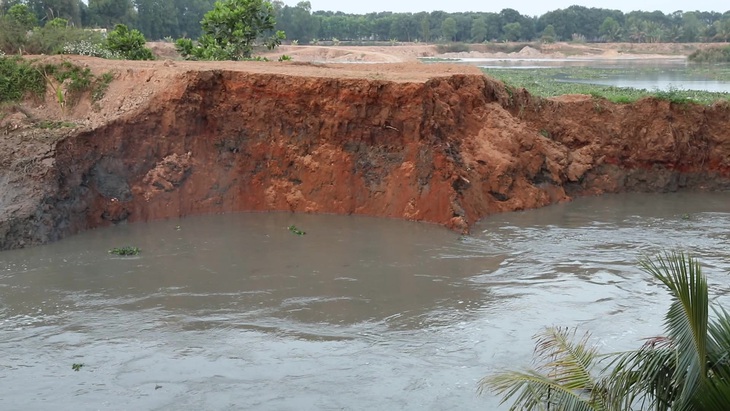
[236, 312]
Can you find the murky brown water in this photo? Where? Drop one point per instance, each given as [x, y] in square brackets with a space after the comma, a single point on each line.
[236, 312]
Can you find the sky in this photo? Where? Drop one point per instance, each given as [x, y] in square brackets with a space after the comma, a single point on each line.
[525, 7]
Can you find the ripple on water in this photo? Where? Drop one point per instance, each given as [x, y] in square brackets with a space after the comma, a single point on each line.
[235, 312]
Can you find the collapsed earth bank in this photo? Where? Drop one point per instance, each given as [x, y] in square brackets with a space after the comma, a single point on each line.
[446, 145]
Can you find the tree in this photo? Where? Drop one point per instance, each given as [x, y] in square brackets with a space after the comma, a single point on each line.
[130, 44]
[425, 29]
[108, 13]
[687, 369]
[479, 30]
[448, 28]
[565, 377]
[548, 35]
[157, 18]
[610, 30]
[512, 31]
[21, 15]
[232, 29]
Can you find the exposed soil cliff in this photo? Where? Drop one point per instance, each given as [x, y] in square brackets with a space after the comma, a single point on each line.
[416, 142]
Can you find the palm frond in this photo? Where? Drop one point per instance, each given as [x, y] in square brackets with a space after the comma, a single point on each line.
[686, 321]
[643, 376]
[562, 379]
[531, 391]
[565, 359]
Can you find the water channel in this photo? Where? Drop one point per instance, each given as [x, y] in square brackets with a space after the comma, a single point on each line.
[232, 312]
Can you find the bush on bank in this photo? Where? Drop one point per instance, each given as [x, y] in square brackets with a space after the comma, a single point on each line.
[711, 55]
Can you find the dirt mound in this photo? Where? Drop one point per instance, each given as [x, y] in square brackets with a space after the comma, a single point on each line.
[426, 142]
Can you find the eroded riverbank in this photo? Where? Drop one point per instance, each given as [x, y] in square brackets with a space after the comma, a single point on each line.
[435, 143]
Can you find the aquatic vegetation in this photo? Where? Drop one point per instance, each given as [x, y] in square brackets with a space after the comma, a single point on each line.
[77, 366]
[295, 230]
[124, 251]
[553, 82]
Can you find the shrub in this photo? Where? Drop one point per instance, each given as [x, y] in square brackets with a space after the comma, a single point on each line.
[130, 44]
[52, 38]
[17, 78]
[711, 55]
[453, 48]
[88, 48]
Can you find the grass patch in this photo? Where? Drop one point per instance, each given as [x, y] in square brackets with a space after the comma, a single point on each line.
[101, 85]
[553, 82]
[49, 125]
[18, 78]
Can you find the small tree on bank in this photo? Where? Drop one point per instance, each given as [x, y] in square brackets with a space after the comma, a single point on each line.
[129, 44]
[231, 31]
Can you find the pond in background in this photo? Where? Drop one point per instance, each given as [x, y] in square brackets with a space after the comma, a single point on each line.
[648, 74]
[236, 312]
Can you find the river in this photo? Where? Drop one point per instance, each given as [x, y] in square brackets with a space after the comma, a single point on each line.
[232, 312]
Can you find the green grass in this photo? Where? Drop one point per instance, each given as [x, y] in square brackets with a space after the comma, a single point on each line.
[18, 77]
[543, 82]
[48, 124]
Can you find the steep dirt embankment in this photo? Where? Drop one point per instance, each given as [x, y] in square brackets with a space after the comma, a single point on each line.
[448, 150]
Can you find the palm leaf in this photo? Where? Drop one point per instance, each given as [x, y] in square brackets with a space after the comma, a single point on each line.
[687, 318]
[562, 380]
[714, 394]
[643, 376]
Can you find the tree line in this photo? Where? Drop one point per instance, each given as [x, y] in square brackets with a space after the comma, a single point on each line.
[158, 19]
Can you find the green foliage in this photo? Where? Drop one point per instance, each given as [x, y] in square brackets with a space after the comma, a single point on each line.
[52, 125]
[21, 15]
[295, 230]
[453, 48]
[125, 251]
[448, 29]
[566, 376]
[57, 23]
[108, 13]
[711, 55]
[284, 57]
[130, 44]
[548, 35]
[77, 366]
[687, 369]
[51, 38]
[231, 31]
[542, 82]
[18, 77]
[88, 48]
[101, 85]
[673, 95]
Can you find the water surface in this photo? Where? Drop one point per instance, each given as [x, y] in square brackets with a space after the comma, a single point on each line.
[236, 312]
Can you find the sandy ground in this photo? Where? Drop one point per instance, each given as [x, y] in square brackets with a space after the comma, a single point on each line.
[413, 51]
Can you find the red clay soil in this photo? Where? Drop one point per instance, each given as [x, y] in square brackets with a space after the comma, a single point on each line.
[435, 143]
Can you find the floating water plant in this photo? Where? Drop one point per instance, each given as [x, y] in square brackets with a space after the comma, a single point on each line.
[77, 366]
[295, 230]
[128, 250]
